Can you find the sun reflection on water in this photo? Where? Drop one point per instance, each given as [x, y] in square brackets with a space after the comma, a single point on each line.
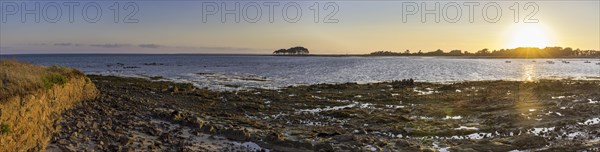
[527, 101]
[529, 73]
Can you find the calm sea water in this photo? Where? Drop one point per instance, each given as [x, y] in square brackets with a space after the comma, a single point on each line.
[226, 71]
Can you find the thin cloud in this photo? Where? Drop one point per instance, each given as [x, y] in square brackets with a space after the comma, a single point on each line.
[189, 49]
[63, 44]
[67, 44]
[152, 46]
[37, 44]
[218, 48]
[110, 45]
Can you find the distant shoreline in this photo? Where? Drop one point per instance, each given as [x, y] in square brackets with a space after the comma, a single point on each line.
[460, 57]
[2, 56]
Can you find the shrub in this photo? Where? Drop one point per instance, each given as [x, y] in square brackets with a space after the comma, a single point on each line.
[53, 78]
[4, 129]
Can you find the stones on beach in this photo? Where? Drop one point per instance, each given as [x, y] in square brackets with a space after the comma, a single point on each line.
[79, 124]
[529, 141]
[176, 115]
[344, 138]
[129, 117]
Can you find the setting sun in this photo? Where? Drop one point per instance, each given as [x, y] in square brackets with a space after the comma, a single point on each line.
[528, 35]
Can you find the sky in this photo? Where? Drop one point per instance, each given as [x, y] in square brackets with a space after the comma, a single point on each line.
[324, 27]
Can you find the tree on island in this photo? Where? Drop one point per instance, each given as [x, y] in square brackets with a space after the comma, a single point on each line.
[455, 53]
[438, 52]
[292, 51]
[483, 52]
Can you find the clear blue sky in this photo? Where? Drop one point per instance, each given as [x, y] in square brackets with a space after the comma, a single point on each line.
[361, 27]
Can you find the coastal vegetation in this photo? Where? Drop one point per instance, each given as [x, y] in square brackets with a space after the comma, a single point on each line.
[292, 51]
[32, 99]
[521, 52]
[19, 78]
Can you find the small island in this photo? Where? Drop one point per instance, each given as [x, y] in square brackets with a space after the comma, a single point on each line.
[292, 51]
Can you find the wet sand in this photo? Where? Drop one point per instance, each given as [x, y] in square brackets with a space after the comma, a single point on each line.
[140, 115]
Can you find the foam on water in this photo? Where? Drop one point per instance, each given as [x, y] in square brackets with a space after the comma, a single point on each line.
[540, 131]
[316, 110]
[251, 146]
[592, 121]
[466, 128]
[453, 117]
[440, 149]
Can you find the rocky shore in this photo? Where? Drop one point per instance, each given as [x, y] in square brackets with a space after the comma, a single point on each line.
[133, 114]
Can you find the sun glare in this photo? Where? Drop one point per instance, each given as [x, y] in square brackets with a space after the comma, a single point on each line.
[529, 35]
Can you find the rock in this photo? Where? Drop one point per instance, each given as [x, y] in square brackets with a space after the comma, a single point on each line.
[80, 124]
[151, 147]
[176, 114]
[427, 150]
[402, 143]
[323, 146]
[70, 147]
[324, 134]
[239, 135]
[344, 138]
[528, 141]
[124, 140]
[63, 142]
[73, 136]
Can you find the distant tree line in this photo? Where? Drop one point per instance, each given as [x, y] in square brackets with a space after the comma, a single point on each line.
[292, 51]
[522, 52]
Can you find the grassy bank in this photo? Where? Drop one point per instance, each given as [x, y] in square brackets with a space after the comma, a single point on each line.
[19, 78]
[31, 100]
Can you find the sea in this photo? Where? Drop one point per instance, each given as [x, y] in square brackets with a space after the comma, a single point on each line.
[234, 72]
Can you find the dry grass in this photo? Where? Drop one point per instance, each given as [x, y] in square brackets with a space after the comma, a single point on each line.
[32, 99]
[19, 78]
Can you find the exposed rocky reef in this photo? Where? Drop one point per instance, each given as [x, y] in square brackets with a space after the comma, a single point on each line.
[147, 115]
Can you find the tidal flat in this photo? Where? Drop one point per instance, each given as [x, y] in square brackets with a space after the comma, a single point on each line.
[153, 115]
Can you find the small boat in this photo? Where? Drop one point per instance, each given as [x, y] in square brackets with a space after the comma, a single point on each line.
[550, 62]
[533, 61]
[587, 61]
[598, 63]
[507, 61]
[567, 62]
